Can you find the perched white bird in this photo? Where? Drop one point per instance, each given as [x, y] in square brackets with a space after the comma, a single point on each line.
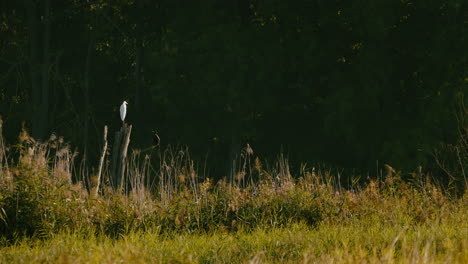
[123, 111]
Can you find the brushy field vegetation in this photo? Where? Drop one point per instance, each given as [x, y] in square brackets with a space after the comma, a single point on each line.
[51, 213]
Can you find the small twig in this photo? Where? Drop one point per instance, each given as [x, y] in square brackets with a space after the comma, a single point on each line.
[3, 157]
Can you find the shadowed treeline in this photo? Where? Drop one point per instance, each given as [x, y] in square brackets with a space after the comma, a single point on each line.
[348, 83]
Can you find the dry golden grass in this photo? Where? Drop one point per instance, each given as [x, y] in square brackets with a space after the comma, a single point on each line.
[171, 214]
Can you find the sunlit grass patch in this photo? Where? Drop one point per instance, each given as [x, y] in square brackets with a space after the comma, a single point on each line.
[360, 241]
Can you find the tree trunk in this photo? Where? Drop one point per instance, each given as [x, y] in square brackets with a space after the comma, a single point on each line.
[33, 21]
[44, 111]
[245, 13]
[39, 71]
[138, 62]
[86, 98]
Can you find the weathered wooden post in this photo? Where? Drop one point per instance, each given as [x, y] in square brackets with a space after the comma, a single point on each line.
[114, 159]
[119, 156]
[123, 156]
[101, 161]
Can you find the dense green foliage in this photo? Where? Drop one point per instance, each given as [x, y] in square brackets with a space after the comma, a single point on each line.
[344, 82]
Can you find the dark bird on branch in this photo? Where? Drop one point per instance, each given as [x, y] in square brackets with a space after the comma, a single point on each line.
[156, 139]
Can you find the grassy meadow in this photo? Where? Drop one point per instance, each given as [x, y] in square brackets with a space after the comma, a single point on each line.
[167, 212]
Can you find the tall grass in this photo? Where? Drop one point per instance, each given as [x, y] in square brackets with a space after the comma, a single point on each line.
[166, 199]
[358, 241]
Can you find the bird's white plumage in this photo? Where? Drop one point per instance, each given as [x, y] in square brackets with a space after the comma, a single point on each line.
[123, 110]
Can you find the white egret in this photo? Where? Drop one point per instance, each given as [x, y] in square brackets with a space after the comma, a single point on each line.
[123, 111]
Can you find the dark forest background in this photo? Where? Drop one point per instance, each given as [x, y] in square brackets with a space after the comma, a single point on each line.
[346, 83]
